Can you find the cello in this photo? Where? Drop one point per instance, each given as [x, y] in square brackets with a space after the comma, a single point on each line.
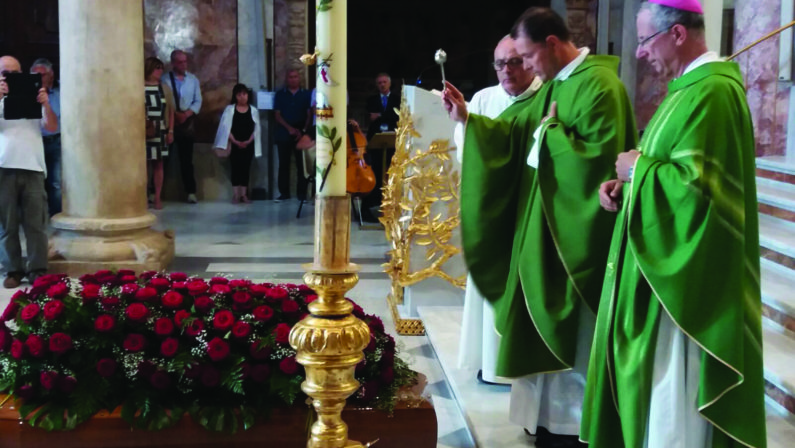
[360, 176]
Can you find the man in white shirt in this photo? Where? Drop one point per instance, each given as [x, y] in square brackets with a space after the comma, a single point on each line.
[479, 339]
[22, 173]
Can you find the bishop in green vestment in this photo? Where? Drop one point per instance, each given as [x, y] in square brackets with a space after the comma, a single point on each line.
[532, 227]
[677, 353]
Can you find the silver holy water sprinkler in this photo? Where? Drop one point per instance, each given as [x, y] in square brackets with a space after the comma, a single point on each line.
[441, 57]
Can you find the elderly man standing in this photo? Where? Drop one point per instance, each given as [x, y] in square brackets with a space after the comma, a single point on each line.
[531, 224]
[517, 87]
[677, 353]
[188, 96]
[22, 173]
[52, 140]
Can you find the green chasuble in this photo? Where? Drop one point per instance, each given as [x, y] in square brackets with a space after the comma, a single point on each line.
[686, 243]
[535, 239]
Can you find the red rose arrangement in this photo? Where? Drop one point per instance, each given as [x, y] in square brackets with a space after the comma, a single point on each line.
[158, 342]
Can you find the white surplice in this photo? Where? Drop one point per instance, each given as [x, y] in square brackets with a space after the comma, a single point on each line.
[479, 339]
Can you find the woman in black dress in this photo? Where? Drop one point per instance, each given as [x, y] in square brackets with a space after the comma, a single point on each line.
[242, 137]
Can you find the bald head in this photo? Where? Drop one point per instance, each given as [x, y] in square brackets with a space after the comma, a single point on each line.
[511, 73]
[9, 64]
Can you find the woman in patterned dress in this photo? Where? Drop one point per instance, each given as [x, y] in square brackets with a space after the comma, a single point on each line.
[160, 116]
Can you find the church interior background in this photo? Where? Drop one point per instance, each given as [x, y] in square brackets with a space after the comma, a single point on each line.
[255, 41]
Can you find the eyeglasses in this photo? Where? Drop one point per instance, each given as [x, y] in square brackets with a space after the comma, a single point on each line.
[648, 39]
[500, 64]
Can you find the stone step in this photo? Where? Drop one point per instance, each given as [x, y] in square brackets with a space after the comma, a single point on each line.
[780, 426]
[782, 165]
[779, 356]
[777, 235]
[776, 198]
[778, 284]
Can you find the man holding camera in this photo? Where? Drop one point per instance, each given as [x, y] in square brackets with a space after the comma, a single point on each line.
[22, 197]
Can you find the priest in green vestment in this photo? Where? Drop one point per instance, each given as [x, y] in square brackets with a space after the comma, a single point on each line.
[532, 226]
[677, 353]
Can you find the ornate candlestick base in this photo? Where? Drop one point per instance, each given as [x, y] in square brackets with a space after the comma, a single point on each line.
[330, 341]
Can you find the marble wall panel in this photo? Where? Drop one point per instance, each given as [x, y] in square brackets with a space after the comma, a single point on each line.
[290, 37]
[207, 31]
[581, 20]
[650, 90]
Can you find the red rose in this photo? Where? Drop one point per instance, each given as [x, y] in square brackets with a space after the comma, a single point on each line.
[5, 339]
[259, 351]
[11, 310]
[169, 347]
[288, 365]
[172, 299]
[223, 320]
[203, 303]
[258, 290]
[195, 327]
[289, 306]
[358, 311]
[134, 342]
[241, 330]
[160, 380]
[160, 283]
[289, 286]
[145, 294]
[60, 343]
[146, 369]
[219, 281]
[217, 349]
[241, 297]
[110, 303]
[26, 392]
[137, 312]
[310, 298]
[164, 326]
[67, 384]
[375, 324]
[263, 313]
[179, 286]
[130, 289]
[53, 309]
[192, 370]
[147, 275]
[235, 284]
[35, 345]
[106, 367]
[220, 289]
[128, 279]
[105, 323]
[387, 375]
[106, 279]
[260, 373]
[371, 346]
[90, 292]
[180, 316]
[30, 312]
[86, 279]
[47, 280]
[282, 333]
[197, 287]
[277, 294]
[102, 272]
[57, 291]
[178, 276]
[48, 379]
[210, 376]
[17, 349]
[125, 272]
[305, 289]
[245, 370]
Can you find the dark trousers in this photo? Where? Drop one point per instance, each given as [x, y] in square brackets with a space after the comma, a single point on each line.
[286, 152]
[240, 159]
[52, 158]
[184, 144]
[23, 197]
[375, 158]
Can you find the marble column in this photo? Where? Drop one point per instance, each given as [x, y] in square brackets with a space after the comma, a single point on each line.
[105, 223]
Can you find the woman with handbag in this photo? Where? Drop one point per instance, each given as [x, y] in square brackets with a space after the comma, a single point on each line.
[238, 138]
[159, 123]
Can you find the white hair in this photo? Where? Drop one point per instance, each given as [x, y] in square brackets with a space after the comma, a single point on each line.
[664, 17]
[42, 62]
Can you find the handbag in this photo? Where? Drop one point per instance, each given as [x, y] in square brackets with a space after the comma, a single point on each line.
[304, 143]
[224, 153]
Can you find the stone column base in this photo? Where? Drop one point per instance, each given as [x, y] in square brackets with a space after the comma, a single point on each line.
[83, 246]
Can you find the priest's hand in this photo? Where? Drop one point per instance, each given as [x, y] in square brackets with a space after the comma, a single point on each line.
[625, 164]
[3, 87]
[454, 103]
[553, 112]
[610, 195]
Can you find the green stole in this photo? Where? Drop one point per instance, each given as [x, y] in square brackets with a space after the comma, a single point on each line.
[686, 243]
[534, 240]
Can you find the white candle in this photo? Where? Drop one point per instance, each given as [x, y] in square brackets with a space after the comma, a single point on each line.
[332, 81]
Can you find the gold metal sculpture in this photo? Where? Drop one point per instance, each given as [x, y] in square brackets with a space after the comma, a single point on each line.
[420, 180]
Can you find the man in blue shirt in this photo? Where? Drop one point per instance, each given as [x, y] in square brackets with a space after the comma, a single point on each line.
[188, 95]
[52, 140]
[294, 116]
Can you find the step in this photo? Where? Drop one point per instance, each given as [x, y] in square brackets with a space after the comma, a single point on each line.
[777, 234]
[776, 194]
[485, 408]
[779, 356]
[780, 426]
[778, 287]
[778, 164]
